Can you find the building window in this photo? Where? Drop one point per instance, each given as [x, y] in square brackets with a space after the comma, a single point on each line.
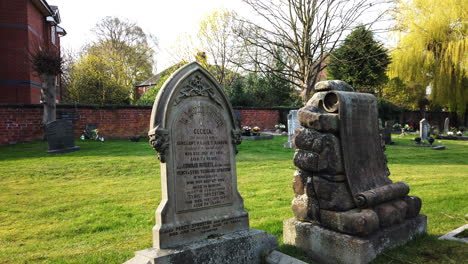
[52, 34]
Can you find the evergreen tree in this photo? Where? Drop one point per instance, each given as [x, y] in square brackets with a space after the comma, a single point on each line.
[360, 61]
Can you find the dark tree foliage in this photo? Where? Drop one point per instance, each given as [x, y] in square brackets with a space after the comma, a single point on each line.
[360, 61]
[47, 61]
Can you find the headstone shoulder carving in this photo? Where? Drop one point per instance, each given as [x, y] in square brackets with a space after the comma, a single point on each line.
[195, 134]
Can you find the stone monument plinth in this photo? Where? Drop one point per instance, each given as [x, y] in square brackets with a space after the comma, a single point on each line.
[347, 210]
[201, 217]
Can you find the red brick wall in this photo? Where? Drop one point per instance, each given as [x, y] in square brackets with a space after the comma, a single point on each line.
[18, 124]
[21, 123]
[265, 119]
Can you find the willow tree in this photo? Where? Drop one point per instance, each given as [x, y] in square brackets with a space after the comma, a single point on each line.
[432, 49]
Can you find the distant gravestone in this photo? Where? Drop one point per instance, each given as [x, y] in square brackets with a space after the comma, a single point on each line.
[293, 123]
[68, 114]
[423, 129]
[387, 132]
[194, 131]
[59, 135]
[446, 125]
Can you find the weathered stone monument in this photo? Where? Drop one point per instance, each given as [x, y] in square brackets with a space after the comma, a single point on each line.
[446, 125]
[424, 129]
[59, 134]
[346, 208]
[293, 123]
[201, 217]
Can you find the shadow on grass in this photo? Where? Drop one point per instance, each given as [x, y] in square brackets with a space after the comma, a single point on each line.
[88, 148]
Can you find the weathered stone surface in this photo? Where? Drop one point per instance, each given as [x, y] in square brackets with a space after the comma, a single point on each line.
[193, 130]
[276, 257]
[327, 161]
[333, 195]
[341, 145]
[356, 222]
[306, 160]
[312, 140]
[333, 85]
[391, 213]
[312, 117]
[301, 208]
[362, 151]
[243, 247]
[331, 177]
[201, 217]
[299, 182]
[402, 207]
[327, 246]
[414, 206]
[381, 194]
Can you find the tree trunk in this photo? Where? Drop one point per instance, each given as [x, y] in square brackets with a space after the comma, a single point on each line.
[48, 98]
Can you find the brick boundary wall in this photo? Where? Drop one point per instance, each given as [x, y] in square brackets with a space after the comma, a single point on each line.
[22, 122]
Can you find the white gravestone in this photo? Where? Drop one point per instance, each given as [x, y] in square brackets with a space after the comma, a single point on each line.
[423, 129]
[293, 123]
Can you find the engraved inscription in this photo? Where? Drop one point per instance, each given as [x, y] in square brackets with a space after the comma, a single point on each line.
[204, 227]
[203, 169]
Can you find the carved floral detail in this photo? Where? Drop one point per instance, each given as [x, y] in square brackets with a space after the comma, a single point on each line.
[159, 140]
[197, 86]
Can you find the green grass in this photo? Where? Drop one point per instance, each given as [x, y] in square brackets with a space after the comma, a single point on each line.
[97, 205]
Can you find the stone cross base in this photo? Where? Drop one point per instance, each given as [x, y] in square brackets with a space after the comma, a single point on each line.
[249, 246]
[328, 246]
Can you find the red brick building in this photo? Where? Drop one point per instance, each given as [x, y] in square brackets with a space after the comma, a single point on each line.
[25, 27]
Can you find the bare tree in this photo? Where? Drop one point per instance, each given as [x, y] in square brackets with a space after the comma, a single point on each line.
[306, 31]
[218, 39]
[183, 50]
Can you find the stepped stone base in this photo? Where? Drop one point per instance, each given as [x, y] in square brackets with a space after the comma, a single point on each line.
[327, 246]
[243, 247]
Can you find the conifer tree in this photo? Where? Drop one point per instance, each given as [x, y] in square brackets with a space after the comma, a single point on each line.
[360, 61]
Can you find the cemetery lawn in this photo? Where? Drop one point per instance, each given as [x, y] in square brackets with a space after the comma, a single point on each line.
[97, 205]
